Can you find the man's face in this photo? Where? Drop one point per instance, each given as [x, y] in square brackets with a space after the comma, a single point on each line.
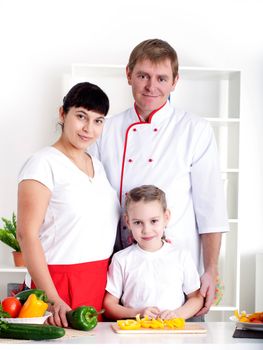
[151, 85]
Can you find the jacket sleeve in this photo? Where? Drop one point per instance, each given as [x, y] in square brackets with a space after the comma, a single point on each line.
[207, 185]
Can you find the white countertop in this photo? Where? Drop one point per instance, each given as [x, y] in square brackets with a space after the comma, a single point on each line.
[218, 336]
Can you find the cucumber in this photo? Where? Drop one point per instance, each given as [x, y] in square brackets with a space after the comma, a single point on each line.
[30, 331]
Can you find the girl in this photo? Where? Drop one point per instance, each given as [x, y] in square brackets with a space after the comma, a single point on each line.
[151, 277]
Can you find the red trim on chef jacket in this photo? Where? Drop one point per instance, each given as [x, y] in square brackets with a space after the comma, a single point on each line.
[80, 284]
[141, 121]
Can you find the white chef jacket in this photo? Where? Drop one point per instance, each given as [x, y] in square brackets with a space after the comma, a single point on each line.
[176, 151]
[141, 279]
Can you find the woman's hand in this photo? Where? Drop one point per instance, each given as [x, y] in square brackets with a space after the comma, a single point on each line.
[167, 314]
[58, 318]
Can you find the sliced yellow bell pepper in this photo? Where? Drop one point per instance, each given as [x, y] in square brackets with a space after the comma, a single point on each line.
[33, 307]
[178, 323]
[146, 322]
[128, 324]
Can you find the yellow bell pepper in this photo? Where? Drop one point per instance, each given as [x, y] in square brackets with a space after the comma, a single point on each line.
[242, 317]
[33, 307]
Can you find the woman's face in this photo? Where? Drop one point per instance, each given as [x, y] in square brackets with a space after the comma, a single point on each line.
[81, 127]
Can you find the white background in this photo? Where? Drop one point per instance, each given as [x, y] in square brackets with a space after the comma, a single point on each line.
[41, 39]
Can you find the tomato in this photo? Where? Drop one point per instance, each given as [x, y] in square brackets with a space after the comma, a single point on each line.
[255, 320]
[11, 305]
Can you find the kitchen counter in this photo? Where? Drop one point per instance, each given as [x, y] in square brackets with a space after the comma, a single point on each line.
[218, 336]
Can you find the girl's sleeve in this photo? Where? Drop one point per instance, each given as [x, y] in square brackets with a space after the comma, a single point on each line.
[115, 278]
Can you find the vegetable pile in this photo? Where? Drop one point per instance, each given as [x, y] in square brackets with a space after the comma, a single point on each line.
[146, 322]
[256, 317]
[26, 304]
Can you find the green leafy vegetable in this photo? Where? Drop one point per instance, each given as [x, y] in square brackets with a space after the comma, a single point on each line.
[8, 233]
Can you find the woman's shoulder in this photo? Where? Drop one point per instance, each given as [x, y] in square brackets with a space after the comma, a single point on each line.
[47, 152]
[37, 157]
[39, 166]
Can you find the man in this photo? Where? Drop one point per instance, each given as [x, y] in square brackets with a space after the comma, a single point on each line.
[154, 143]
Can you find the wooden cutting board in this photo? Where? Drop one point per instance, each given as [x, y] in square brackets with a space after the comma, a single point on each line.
[190, 328]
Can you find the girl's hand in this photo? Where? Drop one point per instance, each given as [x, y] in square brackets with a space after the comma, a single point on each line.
[151, 312]
[167, 314]
[58, 318]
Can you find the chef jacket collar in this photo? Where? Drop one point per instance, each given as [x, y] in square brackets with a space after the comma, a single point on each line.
[157, 116]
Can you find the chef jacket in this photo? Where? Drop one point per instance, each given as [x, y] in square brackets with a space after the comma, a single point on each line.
[177, 152]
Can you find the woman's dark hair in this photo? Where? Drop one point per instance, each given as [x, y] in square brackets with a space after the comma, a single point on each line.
[88, 96]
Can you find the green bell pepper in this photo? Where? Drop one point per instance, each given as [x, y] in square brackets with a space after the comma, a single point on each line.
[83, 318]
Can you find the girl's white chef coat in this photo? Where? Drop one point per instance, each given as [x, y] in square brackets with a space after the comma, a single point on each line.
[177, 152]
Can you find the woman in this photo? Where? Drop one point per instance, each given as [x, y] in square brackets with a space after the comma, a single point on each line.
[67, 210]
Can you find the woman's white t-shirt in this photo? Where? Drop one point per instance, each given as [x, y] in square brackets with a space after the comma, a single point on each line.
[83, 212]
[140, 278]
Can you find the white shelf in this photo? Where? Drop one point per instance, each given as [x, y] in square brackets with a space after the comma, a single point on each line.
[229, 170]
[13, 269]
[223, 308]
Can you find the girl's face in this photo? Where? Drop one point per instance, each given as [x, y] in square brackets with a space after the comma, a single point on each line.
[81, 127]
[147, 222]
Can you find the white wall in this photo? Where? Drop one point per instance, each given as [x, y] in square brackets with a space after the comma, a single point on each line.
[40, 40]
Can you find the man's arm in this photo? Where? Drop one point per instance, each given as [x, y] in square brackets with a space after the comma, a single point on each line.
[211, 243]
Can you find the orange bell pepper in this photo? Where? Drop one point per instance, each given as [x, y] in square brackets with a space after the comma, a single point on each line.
[33, 307]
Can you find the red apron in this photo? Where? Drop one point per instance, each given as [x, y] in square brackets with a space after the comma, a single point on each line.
[80, 284]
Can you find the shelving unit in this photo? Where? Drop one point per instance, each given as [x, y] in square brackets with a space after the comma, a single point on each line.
[215, 95]
[10, 274]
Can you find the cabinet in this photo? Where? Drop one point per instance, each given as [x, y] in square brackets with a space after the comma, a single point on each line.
[215, 95]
